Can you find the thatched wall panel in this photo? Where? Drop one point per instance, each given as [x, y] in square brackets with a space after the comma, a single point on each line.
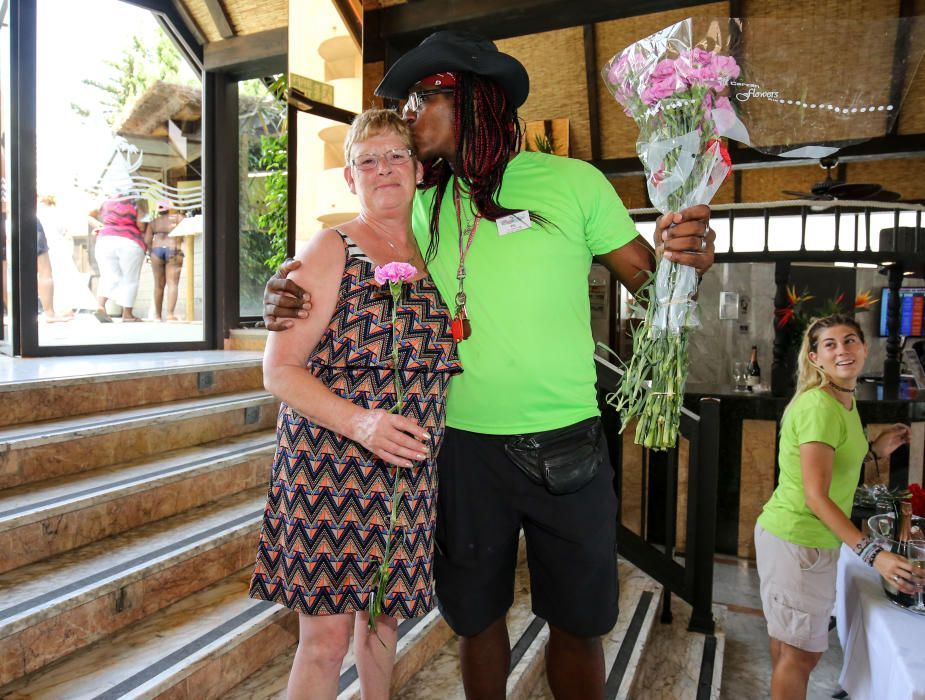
[830, 44]
[767, 185]
[619, 132]
[200, 14]
[903, 175]
[556, 65]
[243, 18]
[632, 191]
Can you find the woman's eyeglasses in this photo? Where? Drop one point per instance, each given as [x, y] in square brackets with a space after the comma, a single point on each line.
[415, 102]
[370, 161]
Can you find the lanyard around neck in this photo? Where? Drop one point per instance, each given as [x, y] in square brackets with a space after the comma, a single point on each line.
[461, 327]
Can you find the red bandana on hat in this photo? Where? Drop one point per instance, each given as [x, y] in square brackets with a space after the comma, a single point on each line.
[437, 80]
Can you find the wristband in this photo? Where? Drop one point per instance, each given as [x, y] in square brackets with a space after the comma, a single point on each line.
[868, 549]
[862, 543]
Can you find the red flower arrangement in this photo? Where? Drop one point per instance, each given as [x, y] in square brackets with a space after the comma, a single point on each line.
[918, 499]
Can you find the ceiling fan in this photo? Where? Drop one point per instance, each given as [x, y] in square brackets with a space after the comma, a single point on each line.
[831, 188]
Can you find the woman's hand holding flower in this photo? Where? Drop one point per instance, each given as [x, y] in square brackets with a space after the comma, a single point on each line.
[396, 439]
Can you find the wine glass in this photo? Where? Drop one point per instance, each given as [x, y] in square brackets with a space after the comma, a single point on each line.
[739, 376]
[916, 556]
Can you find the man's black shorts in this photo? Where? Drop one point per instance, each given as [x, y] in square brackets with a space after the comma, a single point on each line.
[483, 502]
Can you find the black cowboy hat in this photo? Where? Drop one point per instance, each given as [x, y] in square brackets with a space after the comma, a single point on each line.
[456, 51]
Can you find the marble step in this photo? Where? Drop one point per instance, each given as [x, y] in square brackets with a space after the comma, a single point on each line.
[418, 640]
[62, 604]
[682, 664]
[50, 449]
[196, 648]
[623, 646]
[43, 519]
[47, 398]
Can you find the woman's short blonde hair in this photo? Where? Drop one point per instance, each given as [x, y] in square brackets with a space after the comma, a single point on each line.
[374, 122]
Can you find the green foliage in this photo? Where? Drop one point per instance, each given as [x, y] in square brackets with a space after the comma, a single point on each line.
[274, 160]
[543, 143]
[274, 220]
[147, 58]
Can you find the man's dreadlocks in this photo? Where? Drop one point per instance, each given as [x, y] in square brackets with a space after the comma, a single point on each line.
[488, 134]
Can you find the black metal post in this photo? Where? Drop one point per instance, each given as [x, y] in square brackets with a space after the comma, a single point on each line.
[701, 516]
[780, 370]
[891, 362]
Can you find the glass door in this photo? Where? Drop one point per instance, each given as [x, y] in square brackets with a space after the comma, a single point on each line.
[6, 287]
[119, 244]
[263, 175]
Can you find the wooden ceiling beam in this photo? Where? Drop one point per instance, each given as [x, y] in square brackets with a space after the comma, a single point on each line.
[405, 25]
[591, 78]
[220, 18]
[351, 12]
[883, 148]
[263, 53]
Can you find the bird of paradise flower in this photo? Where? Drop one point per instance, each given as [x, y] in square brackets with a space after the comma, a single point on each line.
[793, 312]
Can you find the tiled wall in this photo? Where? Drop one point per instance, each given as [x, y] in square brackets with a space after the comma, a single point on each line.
[718, 343]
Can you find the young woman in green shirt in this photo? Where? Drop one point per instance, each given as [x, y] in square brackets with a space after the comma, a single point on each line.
[797, 536]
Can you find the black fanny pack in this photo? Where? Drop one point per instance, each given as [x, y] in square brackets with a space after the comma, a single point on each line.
[563, 460]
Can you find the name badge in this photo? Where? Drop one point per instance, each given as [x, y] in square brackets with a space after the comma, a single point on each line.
[513, 223]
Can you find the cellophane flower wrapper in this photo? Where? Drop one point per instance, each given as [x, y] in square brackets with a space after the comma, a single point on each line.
[675, 92]
[792, 87]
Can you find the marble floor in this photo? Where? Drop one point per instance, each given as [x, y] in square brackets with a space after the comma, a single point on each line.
[747, 662]
[18, 369]
[84, 329]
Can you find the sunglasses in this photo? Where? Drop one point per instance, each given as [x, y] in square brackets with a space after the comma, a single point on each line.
[370, 161]
[416, 99]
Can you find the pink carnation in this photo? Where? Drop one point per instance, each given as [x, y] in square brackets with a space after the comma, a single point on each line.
[394, 272]
[726, 66]
[663, 82]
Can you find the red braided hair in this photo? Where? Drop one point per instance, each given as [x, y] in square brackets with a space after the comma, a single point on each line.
[488, 134]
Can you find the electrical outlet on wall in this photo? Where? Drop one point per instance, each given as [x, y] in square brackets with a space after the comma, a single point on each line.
[743, 329]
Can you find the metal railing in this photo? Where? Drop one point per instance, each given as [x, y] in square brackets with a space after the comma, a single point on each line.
[653, 550]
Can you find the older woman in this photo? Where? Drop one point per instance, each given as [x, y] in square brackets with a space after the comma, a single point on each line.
[326, 523]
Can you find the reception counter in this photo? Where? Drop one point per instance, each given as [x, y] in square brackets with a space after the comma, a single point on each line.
[749, 427]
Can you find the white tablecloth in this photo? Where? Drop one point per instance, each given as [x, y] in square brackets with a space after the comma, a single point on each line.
[884, 645]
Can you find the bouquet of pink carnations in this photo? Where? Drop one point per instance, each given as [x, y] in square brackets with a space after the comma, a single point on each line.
[675, 91]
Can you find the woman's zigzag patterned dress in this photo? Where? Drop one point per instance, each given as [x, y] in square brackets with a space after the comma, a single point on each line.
[329, 499]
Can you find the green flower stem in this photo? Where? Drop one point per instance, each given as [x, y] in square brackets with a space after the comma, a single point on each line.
[377, 606]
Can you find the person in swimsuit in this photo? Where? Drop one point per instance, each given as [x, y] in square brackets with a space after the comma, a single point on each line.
[166, 259]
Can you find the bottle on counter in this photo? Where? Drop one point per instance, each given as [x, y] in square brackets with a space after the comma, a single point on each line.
[753, 370]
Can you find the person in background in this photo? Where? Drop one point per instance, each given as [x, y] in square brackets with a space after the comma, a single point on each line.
[326, 523]
[120, 252]
[166, 259]
[510, 237]
[46, 283]
[799, 532]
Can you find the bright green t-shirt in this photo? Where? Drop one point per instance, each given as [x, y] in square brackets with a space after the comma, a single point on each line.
[529, 364]
[814, 417]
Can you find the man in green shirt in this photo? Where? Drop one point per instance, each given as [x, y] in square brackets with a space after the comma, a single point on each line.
[509, 240]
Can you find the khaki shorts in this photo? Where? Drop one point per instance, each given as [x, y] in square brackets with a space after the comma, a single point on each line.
[797, 590]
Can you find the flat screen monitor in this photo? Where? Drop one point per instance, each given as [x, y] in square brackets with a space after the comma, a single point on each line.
[911, 311]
